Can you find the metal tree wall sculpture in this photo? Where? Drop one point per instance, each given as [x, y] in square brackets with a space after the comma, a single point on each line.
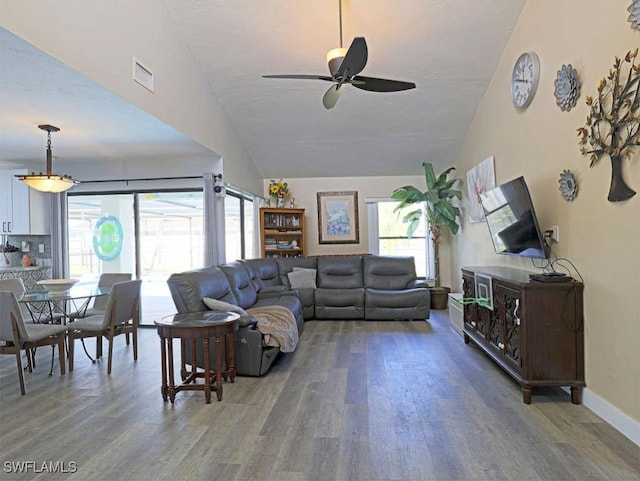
[613, 123]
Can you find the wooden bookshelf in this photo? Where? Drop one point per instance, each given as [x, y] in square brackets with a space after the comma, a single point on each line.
[282, 232]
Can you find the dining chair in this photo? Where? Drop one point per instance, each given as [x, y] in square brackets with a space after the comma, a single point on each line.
[17, 335]
[29, 315]
[121, 316]
[100, 303]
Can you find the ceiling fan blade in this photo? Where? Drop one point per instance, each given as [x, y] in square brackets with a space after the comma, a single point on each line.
[373, 84]
[355, 59]
[331, 96]
[301, 77]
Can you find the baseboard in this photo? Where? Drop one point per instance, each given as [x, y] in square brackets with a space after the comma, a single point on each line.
[611, 414]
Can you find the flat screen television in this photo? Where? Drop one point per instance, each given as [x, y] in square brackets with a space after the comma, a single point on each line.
[512, 220]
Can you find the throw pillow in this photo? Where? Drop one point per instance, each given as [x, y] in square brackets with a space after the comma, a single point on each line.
[246, 319]
[216, 305]
[302, 279]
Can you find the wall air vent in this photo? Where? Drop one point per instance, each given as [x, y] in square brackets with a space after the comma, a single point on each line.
[142, 74]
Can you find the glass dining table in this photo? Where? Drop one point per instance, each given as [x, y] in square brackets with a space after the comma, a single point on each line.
[46, 306]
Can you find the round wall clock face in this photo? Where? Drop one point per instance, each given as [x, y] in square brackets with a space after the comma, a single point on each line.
[524, 79]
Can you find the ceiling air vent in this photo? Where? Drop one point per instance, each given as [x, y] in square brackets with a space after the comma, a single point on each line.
[142, 74]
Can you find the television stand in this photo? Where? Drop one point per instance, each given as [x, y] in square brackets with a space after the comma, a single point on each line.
[534, 331]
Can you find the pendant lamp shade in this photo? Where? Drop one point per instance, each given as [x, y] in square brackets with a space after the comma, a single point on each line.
[48, 182]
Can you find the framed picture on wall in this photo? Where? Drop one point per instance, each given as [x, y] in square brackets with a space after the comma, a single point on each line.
[338, 218]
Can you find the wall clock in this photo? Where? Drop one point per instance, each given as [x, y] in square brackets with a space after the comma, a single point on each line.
[524, 79]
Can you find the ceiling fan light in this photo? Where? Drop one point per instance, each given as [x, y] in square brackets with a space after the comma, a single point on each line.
[48, 183]
[335, 58]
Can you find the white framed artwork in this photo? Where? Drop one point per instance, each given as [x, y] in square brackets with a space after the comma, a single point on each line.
[480, 179]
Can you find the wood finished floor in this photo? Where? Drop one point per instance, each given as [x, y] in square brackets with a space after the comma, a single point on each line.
[357, 401]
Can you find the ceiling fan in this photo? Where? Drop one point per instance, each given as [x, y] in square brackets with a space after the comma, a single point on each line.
[344, 66]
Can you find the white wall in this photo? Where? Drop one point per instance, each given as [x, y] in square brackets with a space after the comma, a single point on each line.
[110, 34]
[601, 238]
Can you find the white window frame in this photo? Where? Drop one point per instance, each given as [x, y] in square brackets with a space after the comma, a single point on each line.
[374, 239]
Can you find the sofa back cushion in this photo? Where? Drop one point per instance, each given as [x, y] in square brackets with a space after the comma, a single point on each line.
[286, 265]
[264, 272]
[239, 278]
[339, 272]
[190, 287]
[388, 272]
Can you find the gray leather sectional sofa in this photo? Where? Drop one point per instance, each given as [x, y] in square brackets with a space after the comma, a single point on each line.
[365, 287]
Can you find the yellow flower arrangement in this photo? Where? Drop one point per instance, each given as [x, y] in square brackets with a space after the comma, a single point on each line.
[278, 188]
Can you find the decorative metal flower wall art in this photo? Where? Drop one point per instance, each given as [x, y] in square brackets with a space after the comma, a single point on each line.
[613, 124]
[567, 87]
[634, 14]
[568, 186]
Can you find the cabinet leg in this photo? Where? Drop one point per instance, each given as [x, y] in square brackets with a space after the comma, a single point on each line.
[576, 395]
[526, 395]
[466, 338]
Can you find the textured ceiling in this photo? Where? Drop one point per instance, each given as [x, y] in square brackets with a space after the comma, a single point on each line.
[449, 48]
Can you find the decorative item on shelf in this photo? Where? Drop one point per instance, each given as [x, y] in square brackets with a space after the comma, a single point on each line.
[568, 186]
[567, 88]
[292, 202]
[634, 14]
[48, 182]
[279, 190]
[613, 123]
[26, 261]
[294, 244]
[437, 207]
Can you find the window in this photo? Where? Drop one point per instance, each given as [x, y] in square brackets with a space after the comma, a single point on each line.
[238, 226]
[388, 236]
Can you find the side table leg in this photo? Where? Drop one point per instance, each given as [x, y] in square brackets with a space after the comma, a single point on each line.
[172, 383]
[232, 358]
[163, 353]
[207, 370]
[219, 365]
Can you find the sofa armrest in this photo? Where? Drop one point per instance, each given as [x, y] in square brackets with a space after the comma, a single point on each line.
[418, 283]
[277, 291]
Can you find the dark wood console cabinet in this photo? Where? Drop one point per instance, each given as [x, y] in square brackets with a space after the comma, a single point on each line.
[534, 332]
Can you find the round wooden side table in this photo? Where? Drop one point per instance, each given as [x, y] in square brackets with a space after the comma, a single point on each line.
[219, 326]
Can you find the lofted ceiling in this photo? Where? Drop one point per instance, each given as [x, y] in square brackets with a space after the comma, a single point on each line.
[449, 48]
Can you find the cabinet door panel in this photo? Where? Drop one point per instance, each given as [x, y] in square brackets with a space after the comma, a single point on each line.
[508, 300]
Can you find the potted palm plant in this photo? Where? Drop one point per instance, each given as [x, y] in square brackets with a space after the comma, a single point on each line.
[437, 206]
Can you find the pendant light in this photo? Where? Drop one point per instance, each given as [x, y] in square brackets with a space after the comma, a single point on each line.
[48, 182]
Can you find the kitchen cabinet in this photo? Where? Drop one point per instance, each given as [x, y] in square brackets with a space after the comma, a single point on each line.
[22, 210]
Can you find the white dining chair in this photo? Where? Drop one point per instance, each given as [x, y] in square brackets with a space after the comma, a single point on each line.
[17, 335]
[121, 316]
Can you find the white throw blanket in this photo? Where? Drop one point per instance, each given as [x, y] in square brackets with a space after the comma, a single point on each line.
[277, 323]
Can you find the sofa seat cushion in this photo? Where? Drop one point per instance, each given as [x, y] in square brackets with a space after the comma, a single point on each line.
[397, 304]
[339, 303]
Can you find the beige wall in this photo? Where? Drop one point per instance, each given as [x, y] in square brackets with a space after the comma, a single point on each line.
[601, 238]
[305, 190]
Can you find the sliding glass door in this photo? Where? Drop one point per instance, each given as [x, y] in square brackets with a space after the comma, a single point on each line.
[149, 234]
